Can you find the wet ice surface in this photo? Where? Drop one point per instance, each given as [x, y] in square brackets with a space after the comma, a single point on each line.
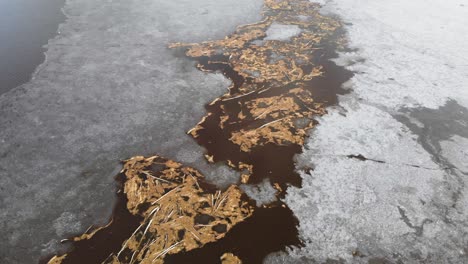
[109, 89]
[408, 116]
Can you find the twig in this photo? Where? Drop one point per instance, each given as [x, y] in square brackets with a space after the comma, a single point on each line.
[169, 215]
[166, 250]
[239, 96]
[133, 255]
[125, 244]
[261, 114]
[194, 235]
[164, 195]
[160, 179]
[155, 209]
[146, 229]
[196, 181]
[269, 123]
[222, 200]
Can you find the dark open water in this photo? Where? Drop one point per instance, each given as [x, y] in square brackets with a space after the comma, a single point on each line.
[25, 27]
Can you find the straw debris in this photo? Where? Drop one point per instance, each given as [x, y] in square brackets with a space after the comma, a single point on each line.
[229, 258]
[182, 211]
[273, 79]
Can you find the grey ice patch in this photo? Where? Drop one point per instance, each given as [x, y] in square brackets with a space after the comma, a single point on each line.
[442, 133]
[67, 224]
[50, 247]
[432, 126]
[189, 156]
[456, 151]
[282, 257]
[322, 2]
[303, 18]
[275, 57]
[254, 74]
[258, 42]
[263, 193]
[220, 174]
[282, 32]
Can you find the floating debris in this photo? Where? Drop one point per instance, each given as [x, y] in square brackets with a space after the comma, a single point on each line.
[229, 258]
[180, 211]
[279, 85]
[270, 229]
[281, 81]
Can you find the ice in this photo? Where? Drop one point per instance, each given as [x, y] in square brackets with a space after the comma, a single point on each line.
[263, 193]
[282, 32]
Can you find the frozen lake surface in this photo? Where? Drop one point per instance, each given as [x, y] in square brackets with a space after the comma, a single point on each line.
[390, 177]
[109, 89]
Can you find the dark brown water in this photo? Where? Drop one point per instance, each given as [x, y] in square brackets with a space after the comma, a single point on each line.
[25, 27]
[269, 229]
[251, 240]
[272, 161]
[107, 240]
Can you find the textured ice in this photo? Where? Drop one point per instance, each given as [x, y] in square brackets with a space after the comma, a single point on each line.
[413, 56]
[407, 115]
[282, 32]
[397, 205]
[108, 90]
